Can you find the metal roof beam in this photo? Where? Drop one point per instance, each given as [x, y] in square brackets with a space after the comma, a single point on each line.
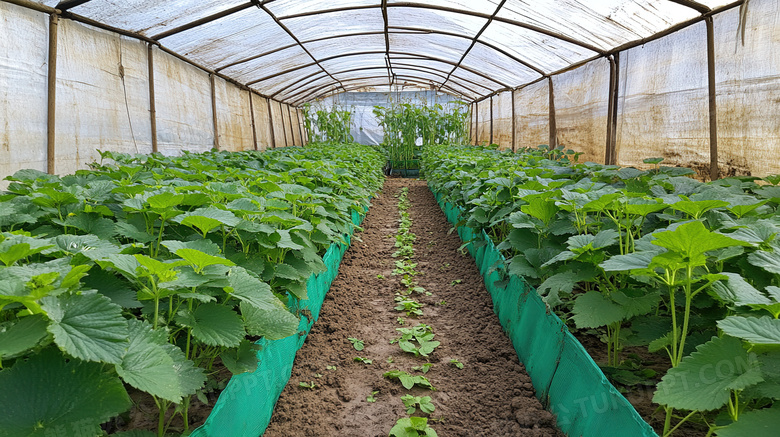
[69, 4]
[698, 7]
[210, 18]
[419, 80]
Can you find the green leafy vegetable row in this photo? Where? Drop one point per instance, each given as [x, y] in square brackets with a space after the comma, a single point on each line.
[652, 258]
[147, 269]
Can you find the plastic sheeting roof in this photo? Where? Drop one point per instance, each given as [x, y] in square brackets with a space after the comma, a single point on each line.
[300, 50]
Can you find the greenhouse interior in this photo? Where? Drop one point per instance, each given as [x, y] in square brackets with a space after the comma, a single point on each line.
[506, 217]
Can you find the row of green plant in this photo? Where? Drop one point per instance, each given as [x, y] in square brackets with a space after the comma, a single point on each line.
[147, 270]
[405, 125]
[650, 258]
[332, 124]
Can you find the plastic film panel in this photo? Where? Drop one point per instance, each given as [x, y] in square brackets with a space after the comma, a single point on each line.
[262, 122]
[234, 121]
[183, 103]
[292, 80]
[483, 125]
[335, 23]
[483, 6]
[286, 122]
[470, 79]
[269, 65]
[278, 124]
[433, 45]
[296, 126]
[502, 120]
[603, 23]
[532, 114]
[354, 59]
[581, 104]
[503, 69]
[663, 89]
[545, 53]
[23, 98]
[329, 47]
[291, 7]
[296, 93]
[436, 20]
[235, 37]
[152, 17]
[748, 91]
[100, 105]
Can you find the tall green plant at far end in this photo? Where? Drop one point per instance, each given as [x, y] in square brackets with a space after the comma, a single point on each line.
[332, 124]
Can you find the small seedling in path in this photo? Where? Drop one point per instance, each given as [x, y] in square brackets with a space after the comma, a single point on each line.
[412, 427]
[409, 381]
[363, 360]
[456, 282]
[422, 334]
[442, 303]
[456, 363]
[356, 343]
[380, 276]
[444, 266]
[410, 306]
[424, 368]
[330, 367]
[318, 375]
[310, 385]
[400, 320]
[372, 396]
[412, 402]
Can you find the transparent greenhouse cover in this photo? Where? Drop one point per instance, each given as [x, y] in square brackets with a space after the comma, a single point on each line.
[299, 50]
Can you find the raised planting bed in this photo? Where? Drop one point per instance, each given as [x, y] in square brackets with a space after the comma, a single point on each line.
[149, 274]
[424, 311]
[653, 259]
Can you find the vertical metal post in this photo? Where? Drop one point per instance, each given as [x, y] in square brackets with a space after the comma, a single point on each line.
[553, 127]
[289, 117]
[281, 118]
[714, 171]
[152, 104]
[491, 119]
[52, 94]
[252, 118]
[271, 122]
[213, 81]
[514, 126]
[300, 126]
[610, 154]
[471, 121]
[476, 123]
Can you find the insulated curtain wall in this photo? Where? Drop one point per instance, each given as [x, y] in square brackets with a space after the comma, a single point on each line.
[483, 123]
[103, 99]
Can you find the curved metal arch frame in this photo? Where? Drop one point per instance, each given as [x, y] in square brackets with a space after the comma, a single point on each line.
[419, 80]
[405, 66]
[399, 67]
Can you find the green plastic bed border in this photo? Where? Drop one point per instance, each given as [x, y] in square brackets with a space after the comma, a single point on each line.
[245, 406]
[566, 379]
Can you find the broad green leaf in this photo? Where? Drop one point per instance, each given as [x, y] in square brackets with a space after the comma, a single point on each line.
[285, 241]
[540, 208]
[631, 261]
[213, 324]
[287, 271]
[165, 200]
[131, 231]
[51, 395]
[693, 239]
[704, 380]
[756, 330]
[134, 433]
[272, 324]
[10, 255]
[205, 246]
[113, 287]
[758, 233]
[24, 334]
[92, 223]
[737, 291]
[695, 208]
[242, 359]
[207, 219]
[90, 246]
[87, 326]
[754, 423]
[149, 364]
[252, 290]
[199, 259]
[769, 261]
[592, 310]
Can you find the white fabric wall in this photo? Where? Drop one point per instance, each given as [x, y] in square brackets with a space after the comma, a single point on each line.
[502, 120]
[262, 122]
[581, 106]
[99, 107]
[23, 71]
[663, 106]
[532, 115]
[234, 119]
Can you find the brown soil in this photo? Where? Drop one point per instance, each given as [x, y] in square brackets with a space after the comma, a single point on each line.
[641, 397]
[491, 396]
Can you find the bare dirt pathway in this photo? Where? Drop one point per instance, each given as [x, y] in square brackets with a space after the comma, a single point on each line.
[490, 396]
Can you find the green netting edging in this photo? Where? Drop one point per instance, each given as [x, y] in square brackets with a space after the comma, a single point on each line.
[245, 406]
[566, 379]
